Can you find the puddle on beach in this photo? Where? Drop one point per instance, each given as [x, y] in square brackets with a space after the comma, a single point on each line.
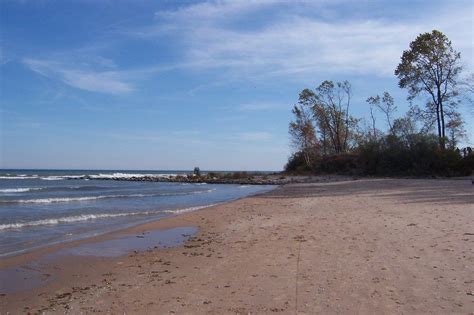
[35, 274]
[22, 278]
[139, 242]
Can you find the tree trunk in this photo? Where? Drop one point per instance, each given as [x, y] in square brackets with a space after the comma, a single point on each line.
[438, 121]
[441, 125]
[307, 158]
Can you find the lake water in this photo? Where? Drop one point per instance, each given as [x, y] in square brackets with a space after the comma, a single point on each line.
[40, 208]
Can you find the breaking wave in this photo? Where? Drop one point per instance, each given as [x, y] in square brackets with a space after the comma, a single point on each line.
[87, 217]
[89, 198]
[17, 190]
[52, 188]
[19, 177]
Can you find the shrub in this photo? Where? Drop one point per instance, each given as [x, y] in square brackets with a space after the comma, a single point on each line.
[419, 155]
[345, 163]
[296, 164]
[415, 155]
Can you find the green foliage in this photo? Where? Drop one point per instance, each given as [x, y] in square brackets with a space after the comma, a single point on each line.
[297, 164]
[329, 104]
[331, 141]
[418, 156]
[431, 67]
[345, 163]
[303, 134]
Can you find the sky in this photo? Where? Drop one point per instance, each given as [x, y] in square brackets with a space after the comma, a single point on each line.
[177, 84]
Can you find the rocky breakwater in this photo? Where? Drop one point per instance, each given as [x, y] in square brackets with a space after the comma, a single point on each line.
[238, 178]
[231, 178]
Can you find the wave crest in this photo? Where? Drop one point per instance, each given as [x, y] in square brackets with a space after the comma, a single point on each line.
[87, 217]
[90, 198]
[19, 177]
[17, 190]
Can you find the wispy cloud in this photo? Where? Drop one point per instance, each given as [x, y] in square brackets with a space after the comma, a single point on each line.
[223, 9]
[290, 39]
[296, 43]
[105, 81]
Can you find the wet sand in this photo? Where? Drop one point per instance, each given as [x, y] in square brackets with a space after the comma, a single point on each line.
[365, 246]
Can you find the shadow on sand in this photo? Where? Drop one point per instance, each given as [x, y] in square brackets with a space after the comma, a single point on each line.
[451, 191]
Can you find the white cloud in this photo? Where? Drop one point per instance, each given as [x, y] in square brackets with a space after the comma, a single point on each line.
[223, 9]
[287, 42]
[301, 46]
[295, 43]
[86, 79]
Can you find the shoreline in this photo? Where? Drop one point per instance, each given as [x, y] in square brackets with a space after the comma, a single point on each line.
[108, 235]
[33, 253]
[93, 234]
[117, 232]
[243, 257]
[98, 234]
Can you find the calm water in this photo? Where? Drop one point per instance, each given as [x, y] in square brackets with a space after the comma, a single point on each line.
[39, 208]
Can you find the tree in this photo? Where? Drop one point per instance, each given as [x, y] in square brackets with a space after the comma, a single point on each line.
[373, 133]
[431, 66]
[406, 130]
[456, 131]
[303, 135]
[386, 105]
[330, 104]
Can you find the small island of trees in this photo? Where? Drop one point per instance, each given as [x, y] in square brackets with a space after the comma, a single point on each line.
[424, 141]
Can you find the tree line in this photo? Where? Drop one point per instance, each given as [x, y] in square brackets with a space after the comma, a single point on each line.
[327, 138]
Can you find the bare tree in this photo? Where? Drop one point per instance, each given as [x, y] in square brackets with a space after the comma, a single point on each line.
[303, 134]
[456, 131]
[386, 105]
[330, 103]
[374, 135]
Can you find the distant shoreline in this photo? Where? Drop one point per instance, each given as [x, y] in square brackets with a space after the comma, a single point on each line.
[241, 178]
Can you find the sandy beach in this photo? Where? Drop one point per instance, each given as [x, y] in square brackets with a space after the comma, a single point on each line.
[364, 246]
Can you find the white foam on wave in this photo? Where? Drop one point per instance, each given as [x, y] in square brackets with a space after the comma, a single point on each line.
[204, 191]
[71, 199]
[27, 189]
[88, 217]
[19, 177]
[63, 177]
[89, 198]
[18, 190]
[184, 210]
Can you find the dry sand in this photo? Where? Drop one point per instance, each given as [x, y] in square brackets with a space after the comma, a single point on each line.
[366, 246]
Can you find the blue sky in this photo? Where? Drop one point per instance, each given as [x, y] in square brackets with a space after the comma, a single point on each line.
[178, 84]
